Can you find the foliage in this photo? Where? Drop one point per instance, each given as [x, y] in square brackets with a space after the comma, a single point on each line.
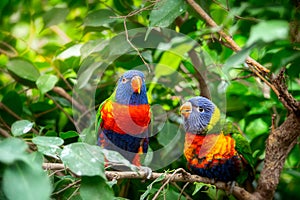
[51, 51]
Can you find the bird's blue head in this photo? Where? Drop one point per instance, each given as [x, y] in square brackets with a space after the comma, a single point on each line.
[131, 88]
[200, 115]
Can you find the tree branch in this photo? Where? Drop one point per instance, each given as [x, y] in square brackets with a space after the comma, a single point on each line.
[201, 77]
[4, 133]
[279, 144]
[288, 101]
[60, 91]
[226, 37]
[12, 113]
[181, 176]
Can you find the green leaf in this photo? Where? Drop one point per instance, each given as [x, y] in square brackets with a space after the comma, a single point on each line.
[199, 186]
[88, 68]
[117, 158]
[102, 17]
[26, 181]
[149, 187]
[166, 11]
[47, 141]
[237, 59]
[92, 46]
[84, 159]
[70, 52]
[168, 64]
[21, 127]
[48, 145]
[12, 149]
[37, 157]
[269, 31]
[55, 16]
[46, 82]
[23, 69]
[171, 59]
[95, 187]
[68, 134]
[52, 151]
[256, 127]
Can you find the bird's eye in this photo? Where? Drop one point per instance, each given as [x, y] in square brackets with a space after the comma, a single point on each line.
[200, 109]
[124, 80]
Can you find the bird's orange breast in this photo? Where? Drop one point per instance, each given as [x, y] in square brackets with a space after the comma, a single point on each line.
[203, 151]
[129, 119]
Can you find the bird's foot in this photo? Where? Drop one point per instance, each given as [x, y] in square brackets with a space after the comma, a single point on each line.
[213, 181]
[146, 170]
[231, 184]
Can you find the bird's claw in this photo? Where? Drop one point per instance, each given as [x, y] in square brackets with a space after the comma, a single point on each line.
[147, 170]
[231, 184]
[213, 181]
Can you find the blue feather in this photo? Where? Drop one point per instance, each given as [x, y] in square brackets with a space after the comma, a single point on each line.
[124, 93]
[224, 172]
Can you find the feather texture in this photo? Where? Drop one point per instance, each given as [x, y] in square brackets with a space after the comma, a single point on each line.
[224, 155]
[123, 119]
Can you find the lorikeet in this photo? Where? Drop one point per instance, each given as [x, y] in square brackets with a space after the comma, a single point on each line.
[123, 118]
[224, 155]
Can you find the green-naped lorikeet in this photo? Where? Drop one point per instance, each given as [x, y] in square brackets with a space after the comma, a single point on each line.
[123, 118]
[224, 155]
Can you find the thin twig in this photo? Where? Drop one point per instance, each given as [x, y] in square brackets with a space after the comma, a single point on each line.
[182, 191]
[242, 77]
[12, 113]
[227, 38]
[62, 109]
[9, 111]
[44, 112]
[273, 122]
[60, 91]
[15, 52]
[133, 13]
[134, 47]
[236, 16]
[167, 181]
[61, 34]
[4, 124]
[69, 186]
[73, 193]
[4, 133]
[56, 171]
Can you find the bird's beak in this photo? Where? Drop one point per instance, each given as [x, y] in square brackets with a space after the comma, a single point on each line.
[186, 109]
[136, 84]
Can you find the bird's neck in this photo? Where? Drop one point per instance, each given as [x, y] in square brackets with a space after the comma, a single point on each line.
[138, 99]
[134, 99]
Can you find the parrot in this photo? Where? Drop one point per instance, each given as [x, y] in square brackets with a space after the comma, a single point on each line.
[221, 154]
[123, 119]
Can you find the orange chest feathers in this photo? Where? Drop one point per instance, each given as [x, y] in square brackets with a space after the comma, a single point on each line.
[132, 119]
[202, 150]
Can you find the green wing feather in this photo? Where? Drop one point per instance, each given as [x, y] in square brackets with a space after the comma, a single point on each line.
[243, 148]
[98, 114]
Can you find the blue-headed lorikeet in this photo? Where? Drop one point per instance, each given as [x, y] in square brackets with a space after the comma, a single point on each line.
[123, 119]
[224, 155]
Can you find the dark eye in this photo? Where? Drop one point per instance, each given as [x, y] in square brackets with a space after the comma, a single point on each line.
[200, 109]
[124, 80]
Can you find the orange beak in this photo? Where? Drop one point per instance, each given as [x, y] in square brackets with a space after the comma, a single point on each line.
[186, 109]
[136, 84]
